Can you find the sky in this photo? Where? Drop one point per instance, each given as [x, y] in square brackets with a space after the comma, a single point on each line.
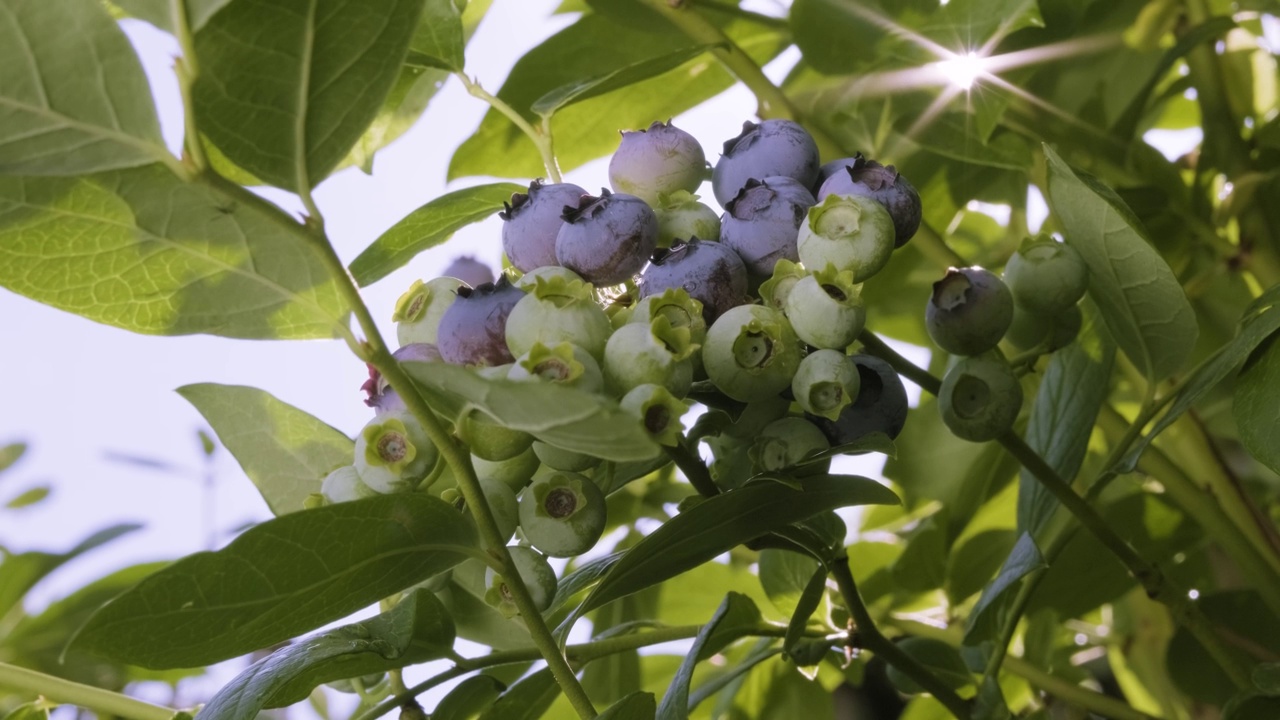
[79, 393]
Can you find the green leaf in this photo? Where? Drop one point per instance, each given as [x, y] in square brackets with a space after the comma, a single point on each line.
[284, 451]
[989, 703]
[636, 706]
[675, 702]
[469, 698]
[73, 98]
[613, 676]
[438, 41]
[876, 442]
[922, 566]
[936, 656]
[38, 710]
[1266, 677]
[576, 92]
[586, 575]
[427, 227]
[582, 422]
[1141, 301]
[972, 564]
[1257, 397]
[526, 700]
[806, 605]
[987, 614]
[968, 25]
[286, 88]
[725, 521]
[593, 46]
[30, 497]
[141, 250]
[278, 579]
[784, 575]
[1071, 393]
[11, 454]
[837, 37]
[19, 573]
[1260, 322]
[1250, 706]
[1235, 613]
[417, 630]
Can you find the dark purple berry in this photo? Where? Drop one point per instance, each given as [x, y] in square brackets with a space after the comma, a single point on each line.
[657, 161]
[762, 222]
[881, 404]
[473, 329]
[607, 239]
[469, 270]
[381, 396]
[869, 178]
[767, 149]
[969, 311]
[710, 272]
[829, 169]
[532, 221]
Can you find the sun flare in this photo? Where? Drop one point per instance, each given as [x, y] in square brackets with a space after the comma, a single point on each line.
[961, 71]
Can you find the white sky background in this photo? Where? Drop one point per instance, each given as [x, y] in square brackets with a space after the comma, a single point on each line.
[75, 390]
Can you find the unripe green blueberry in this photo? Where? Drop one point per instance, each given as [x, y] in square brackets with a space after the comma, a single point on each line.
[681, 216]
[656, 353]
[1056, 331]
[785, 442]
[565, 364]
[969, 311]
[536, 574]
[751, 353]
[561, 459]
[731, 465]
[848, 231]
[826, 310]
[676, 305]
[419, 309]
[659, 412]
[825, 383]
[514, 472]
[980, 397]
[774, 291]
[488, 439]
[1046, 277]
[392, 452]
[529, 280]
[503, 504]
[558, 310]
[345, 485]
[562, 513]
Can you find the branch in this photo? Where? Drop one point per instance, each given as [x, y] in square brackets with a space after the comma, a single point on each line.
[103, 702]
[541, 138]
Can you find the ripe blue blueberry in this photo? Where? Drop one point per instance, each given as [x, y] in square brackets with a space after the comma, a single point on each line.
[708, 271]
[881, 404]
[848, 232]
[969, 311]
[662, 159]
[532, 221]
[473, 331]
[681, 216]
[868, 178]
[762, 221]
[381, 396]
[469, 270]
[980, 397]
[1046, 277]
[766, 149]
[607, 239]
[751, 353]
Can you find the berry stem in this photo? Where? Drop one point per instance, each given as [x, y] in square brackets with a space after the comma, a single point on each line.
[1158, 586]
[374, 350]
[541, 138]
[103, 702]
[693, 468]
[187, 70]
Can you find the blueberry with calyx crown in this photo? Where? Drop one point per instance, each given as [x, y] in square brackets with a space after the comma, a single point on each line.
[607, 239]
[762, 221]
[785, 442]
[762, 150]
[661, 159]
[681, 216]
[562, 513]
[826, 309]
[536, 574]
[708, 271]
[473, 331]
[883, 183]
[420, 308]
[564, 364]
[532, 221]
[529, 280]
[658, 410]
[393, 452]
[826, 383]
[881, 404]
[980, 397]
[558, 310]
[1046, 277]
[774, 291]
[850, 232]
[657, 353]
[751, 353]
[969, 311]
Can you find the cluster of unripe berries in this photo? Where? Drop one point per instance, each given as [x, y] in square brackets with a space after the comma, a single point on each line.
[646, 295]
[1034, 308]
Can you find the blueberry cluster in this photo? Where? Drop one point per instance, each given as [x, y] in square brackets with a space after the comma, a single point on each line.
[646, 295]
[1034, 308]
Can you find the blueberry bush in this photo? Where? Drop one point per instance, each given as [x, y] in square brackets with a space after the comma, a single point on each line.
[637, 424]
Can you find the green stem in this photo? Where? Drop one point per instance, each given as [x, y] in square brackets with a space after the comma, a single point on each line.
[541, 140]
[870, 637]
[1076, 695]
[901, 365]
[693, 468]
[187, 70]
[374, 351]
[103, 702]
